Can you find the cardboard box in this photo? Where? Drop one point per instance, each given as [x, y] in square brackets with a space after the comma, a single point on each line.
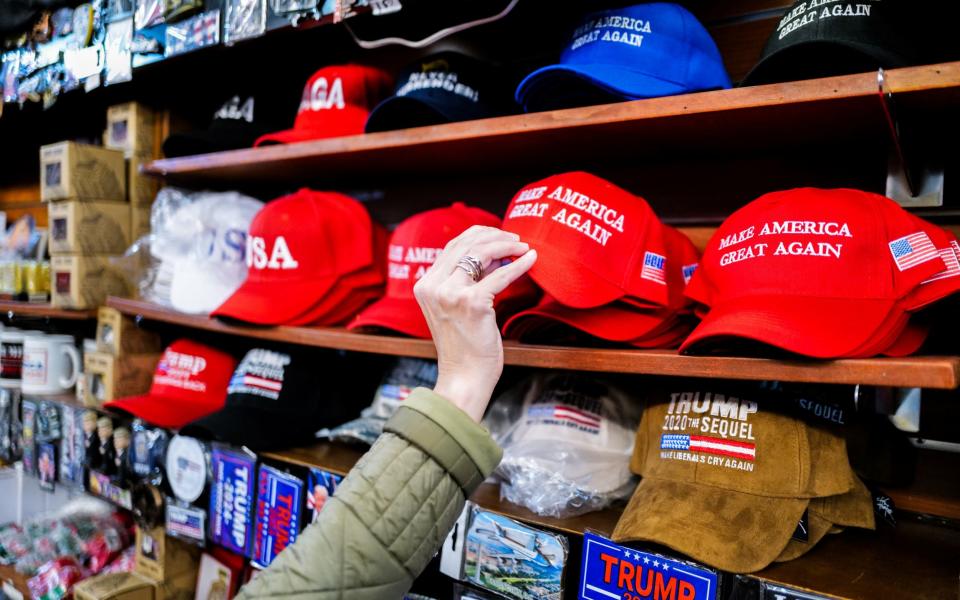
[164, 558]
[143, 188]
[72, 171]
[89, 227]
[81, 282]
[140, 220]
[131, 128]
[116, 586]
[118, 334]
[108, 377]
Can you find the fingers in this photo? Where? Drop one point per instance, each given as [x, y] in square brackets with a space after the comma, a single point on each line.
[497, 281]
[468, 240]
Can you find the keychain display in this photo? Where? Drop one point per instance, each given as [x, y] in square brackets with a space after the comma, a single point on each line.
[28, 419]
[47, 465]
[244, 19]
[196, 32]
[71, 446]
[147, 451]
[48, 426]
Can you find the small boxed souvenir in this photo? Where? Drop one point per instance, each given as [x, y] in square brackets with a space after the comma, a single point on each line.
[80, 282]
[118, 334]
[89, 227]
[131, 128]
[162, 558]
[73, 171]
[108, 377]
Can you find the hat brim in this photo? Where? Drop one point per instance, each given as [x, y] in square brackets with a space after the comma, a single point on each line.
[621, 84]
[293, 136]
[163, 411]
[852, 509]
[259, 430]
[809, 326]
[198, 288]
[404, 112]
[793, 61]
[612, 323]
[396, 314]
[911, 339]
[273, 303]
[730, 530]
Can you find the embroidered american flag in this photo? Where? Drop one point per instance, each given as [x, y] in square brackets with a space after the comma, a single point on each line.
[654, 268]
[581, 417]
[912, 250]
[688, 271]
[952, 262]
[708, 445]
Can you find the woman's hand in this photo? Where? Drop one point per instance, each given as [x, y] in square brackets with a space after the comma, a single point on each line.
[460, 313]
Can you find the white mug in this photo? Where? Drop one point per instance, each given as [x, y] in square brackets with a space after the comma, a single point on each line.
[11, 355]
[51, 364]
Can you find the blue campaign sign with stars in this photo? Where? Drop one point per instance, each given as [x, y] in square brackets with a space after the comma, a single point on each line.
[614, 572]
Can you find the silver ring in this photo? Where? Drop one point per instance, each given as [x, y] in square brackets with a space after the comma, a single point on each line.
[472, 266]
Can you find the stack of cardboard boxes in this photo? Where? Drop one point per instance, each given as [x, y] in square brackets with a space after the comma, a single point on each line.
[124, 362]
[99, 203]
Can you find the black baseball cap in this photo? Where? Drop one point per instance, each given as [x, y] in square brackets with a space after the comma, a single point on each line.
[276, 399]
[240, 120]
[441, 88]
[822, 39]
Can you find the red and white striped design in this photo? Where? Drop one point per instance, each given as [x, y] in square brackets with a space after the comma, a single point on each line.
[723, 447]
[581, 417]
[912, 250]
[950, 259]
[264, 384]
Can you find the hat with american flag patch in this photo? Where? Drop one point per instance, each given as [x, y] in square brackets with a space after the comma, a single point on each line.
[826, 273]
[727, 476]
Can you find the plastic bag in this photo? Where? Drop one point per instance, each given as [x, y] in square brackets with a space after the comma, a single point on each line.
[567, 441]
[194, 256]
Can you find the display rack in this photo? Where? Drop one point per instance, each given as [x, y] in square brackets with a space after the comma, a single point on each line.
[922, 371]
[739, 119]
[856, 564]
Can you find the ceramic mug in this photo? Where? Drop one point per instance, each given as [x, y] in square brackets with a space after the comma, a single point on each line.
[51, 364]
[11, 355]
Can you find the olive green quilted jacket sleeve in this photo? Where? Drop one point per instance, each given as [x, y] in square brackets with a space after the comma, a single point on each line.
[391, 513]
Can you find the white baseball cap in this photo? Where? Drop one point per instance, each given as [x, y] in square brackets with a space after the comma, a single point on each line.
[202, 244]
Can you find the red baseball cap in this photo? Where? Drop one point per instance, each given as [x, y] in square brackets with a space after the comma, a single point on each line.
[336, 102]
[811, 271]
[298, 248]
[414, 247]
[620, 321]
[595, 242]
[190, 382]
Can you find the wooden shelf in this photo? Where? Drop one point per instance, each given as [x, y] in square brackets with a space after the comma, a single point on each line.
[917, 560]
[749, 118]
[914, 560]
[13, 309]
[922, 371]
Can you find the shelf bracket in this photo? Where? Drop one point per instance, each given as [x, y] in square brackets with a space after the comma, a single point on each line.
[916, 183]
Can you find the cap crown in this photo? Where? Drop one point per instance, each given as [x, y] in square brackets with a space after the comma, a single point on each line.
[811, 242]
[308, 235]
[418, 240]
[580, 224]
[333, 92]
[192, 372]
[658, 39]
[738, 444]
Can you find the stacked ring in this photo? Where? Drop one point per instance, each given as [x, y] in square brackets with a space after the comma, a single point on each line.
[472, 266]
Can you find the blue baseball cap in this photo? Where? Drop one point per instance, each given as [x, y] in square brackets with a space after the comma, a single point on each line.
[640, 51]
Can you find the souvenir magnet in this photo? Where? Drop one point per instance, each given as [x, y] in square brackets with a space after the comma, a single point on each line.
[279, 497]
[231, 499]
[186, 468]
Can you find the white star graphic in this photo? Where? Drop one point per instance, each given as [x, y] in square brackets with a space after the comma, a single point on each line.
[646, 560]
[636, 556]
[666, 567]
[656, 563]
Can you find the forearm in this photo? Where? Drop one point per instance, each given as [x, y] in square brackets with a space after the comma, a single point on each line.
[392, 511]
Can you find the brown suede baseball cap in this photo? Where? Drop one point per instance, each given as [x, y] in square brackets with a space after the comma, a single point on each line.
[726, 479]
[830, 515]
